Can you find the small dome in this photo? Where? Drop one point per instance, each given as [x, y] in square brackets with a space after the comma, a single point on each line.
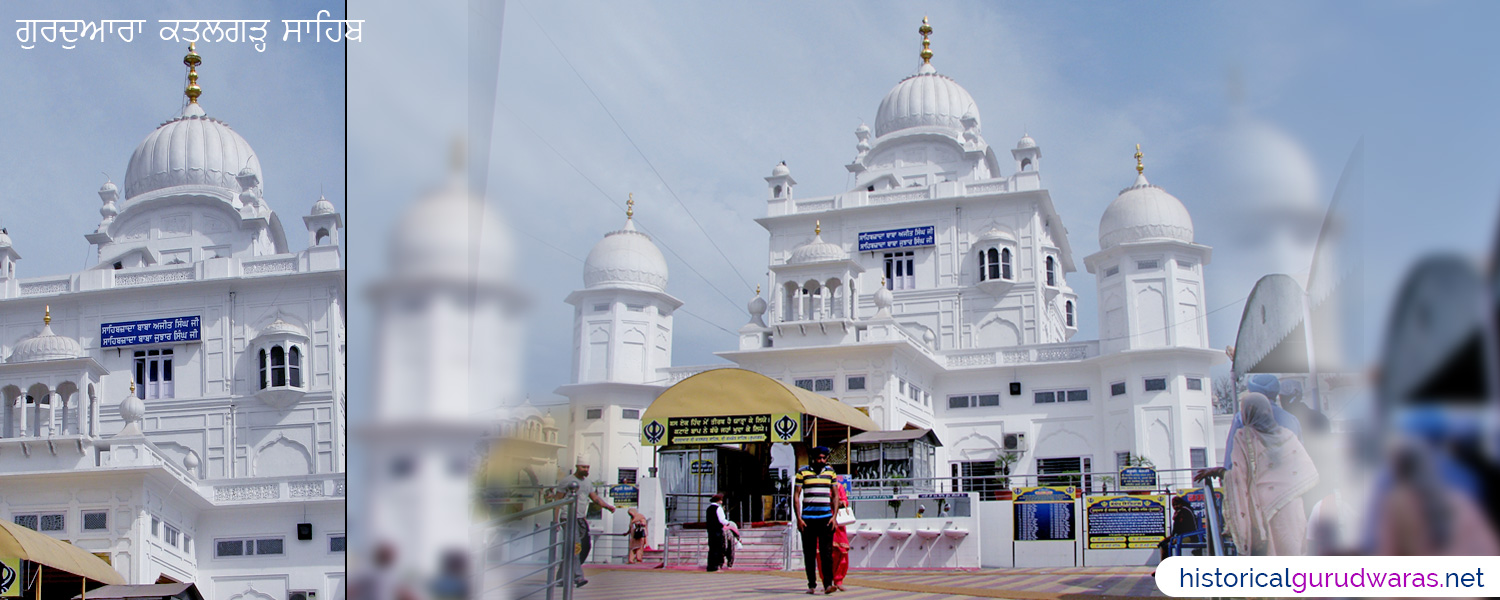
[926, 99]
[280, 327]
[322, 207]
[816, 251]
[435, 238]
[626, 258]
[191, 149]
[757, 307]
[548, 422]
[884, 299]
[107, 188]
[1026, 142]
[46, 346]
[996, 234]
[1144, 212]
[132, 409]
[863, 128]
[191, 462]
[4, 239]
[780, 170]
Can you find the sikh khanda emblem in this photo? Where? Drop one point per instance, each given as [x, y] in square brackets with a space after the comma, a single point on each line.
[8, 581]
[785, 428]
[654, 432]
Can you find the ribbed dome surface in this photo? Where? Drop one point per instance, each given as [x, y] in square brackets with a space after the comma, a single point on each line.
[626, 258]
[192, 149]
[1144, 212]
[926, 99]
[46, 346]
[816, 251]
[280, 327]
[322, 207]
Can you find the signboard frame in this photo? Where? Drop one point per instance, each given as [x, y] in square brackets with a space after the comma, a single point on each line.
[1123, 504]
[165, 330]
[722, 429]
[919, 236]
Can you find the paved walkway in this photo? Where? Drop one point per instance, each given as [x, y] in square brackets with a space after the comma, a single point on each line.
[1083, 583]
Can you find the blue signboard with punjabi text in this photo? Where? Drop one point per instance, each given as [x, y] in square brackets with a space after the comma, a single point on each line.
[154, 331]
[891, 239]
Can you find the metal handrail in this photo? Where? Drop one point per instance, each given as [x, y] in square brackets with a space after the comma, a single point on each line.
[561, 562]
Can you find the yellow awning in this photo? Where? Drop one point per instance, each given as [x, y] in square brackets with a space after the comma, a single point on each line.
[18, 541]
[731, 392]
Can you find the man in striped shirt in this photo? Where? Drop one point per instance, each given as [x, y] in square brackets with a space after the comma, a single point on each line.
[814, 503]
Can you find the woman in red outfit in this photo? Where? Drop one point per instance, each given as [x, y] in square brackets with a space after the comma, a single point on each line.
[840, 543]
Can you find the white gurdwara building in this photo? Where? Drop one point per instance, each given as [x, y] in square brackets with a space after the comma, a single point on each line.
[933, 295]
[178, 408]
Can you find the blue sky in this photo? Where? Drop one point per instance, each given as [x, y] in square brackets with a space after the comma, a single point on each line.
[715, 94]
[72, 116]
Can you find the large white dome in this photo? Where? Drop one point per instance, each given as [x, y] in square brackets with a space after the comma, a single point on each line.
[46, 346]
[926, 99]
[438, 238]
[1144, 212]
[626, 258]
[191, 149]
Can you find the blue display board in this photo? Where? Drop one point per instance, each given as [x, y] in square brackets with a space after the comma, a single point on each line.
[1137, 478]
[154, 331]
[1121, 522]
[891, 239]
[625, 494]
[1044, 514]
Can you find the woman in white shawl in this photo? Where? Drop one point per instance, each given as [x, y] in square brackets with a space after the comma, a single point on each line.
[1269, 472]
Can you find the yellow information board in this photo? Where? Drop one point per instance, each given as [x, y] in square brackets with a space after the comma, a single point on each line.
[10, 578]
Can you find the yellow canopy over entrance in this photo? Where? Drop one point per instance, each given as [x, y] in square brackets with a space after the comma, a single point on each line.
[730, 392]
[19, 542]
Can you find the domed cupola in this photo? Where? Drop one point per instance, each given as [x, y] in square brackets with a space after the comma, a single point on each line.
[817, 250]
[191, 149]
[626, 258]
[46, 345]
[437, 235]
[926, 99]
[1144, 212]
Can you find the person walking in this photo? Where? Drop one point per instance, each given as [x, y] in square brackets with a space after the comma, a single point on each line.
[716, 521]
[814, 503]
[637, 536]
[840, 541]
[1268, 474]
[580, 512]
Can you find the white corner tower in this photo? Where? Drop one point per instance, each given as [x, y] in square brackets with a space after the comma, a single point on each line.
[622, 342]
[1149, 271]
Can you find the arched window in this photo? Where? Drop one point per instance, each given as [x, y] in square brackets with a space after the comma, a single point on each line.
[1005, 263]
[1068, 312]
[294, 357]
[281, 365]
[994, 264]
[983, 268]
[322, 237]
[1025, 164]
[278, 366]
[1051, 271]
[778, 191]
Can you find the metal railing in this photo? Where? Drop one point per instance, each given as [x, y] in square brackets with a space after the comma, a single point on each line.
[514, 557]
[1089, 482]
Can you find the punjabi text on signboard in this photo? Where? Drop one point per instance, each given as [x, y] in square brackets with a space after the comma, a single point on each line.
[154, 331]
[1122, 522]
[890, 239]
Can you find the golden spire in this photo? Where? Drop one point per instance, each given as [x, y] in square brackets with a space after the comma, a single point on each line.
[818, 227]
[1139, 168]
[192, 60]
[630, 206]
[132, 385]
[757, 290]
[926, 31]
[47, 316]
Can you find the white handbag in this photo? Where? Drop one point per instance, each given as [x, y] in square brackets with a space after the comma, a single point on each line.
[845, 516]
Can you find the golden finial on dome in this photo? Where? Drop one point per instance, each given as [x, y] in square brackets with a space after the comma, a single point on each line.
[757, 290]
[192, 60]
[926, 31]
[1139, 168]
[132, 386]
[47, 316]
[630, 206]
[818, 227]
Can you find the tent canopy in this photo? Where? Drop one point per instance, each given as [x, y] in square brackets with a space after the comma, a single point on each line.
[900, 435]
[151, 591]
[40, 548]
[730, 392]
